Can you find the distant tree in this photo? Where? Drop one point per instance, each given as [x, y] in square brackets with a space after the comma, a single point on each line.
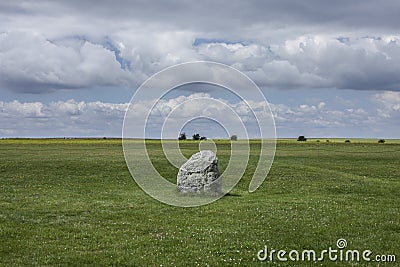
[327, 141]
[196, 137]
[182, 136]
[203, 138]
[234, 137]
[301, 138]
[318, 141]
[347, 141]
[381, 141]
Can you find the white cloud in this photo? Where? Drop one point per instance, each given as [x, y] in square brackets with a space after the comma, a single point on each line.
[31, 63]
[61, 118]
[73, 118]
[391, 100]
[25, 110]
[66, 44]
[316, 61]
[388, 104]
[243, 57]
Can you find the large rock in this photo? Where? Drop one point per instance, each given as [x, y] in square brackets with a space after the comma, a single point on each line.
[200, 174]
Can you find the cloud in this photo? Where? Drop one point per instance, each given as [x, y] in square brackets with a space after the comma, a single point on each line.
[364, 63]
[389, 104]
[221, 17]
[306, 62]
[22, 110]
[30, 63]
[61, 118]
[45, 46]
[241, 56]
[361, 63]
[79, 118]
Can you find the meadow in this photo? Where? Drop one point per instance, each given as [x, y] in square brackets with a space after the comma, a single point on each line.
[74, 203]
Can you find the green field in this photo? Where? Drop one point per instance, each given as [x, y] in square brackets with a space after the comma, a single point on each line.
[74, 203]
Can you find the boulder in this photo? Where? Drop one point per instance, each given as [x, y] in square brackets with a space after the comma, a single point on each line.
[200, 174]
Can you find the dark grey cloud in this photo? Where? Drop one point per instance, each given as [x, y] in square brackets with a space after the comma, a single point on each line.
[204, 14]
[222, 18]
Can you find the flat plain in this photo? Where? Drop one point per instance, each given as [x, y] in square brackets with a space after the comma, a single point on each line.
[74, 203]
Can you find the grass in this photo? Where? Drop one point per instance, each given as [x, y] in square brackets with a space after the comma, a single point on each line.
[74, 203]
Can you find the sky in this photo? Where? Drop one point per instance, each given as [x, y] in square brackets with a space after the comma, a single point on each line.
[327, 69]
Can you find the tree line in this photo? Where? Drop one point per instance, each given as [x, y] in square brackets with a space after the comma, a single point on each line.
[182, 136]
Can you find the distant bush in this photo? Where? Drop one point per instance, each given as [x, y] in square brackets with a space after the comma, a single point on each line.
[347, 141]
[381, 141]
[317, 141]
[327, 141]
[234, 137]
[182, 136]
[196, 137]
[203, 138]
[301, 138]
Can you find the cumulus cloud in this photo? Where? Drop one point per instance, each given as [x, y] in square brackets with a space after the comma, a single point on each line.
[306, 62]
[73, 44]
[389, 104]
[61, 118]
[363, 63]
[79, 118]
[244, 57]
[31, 63]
